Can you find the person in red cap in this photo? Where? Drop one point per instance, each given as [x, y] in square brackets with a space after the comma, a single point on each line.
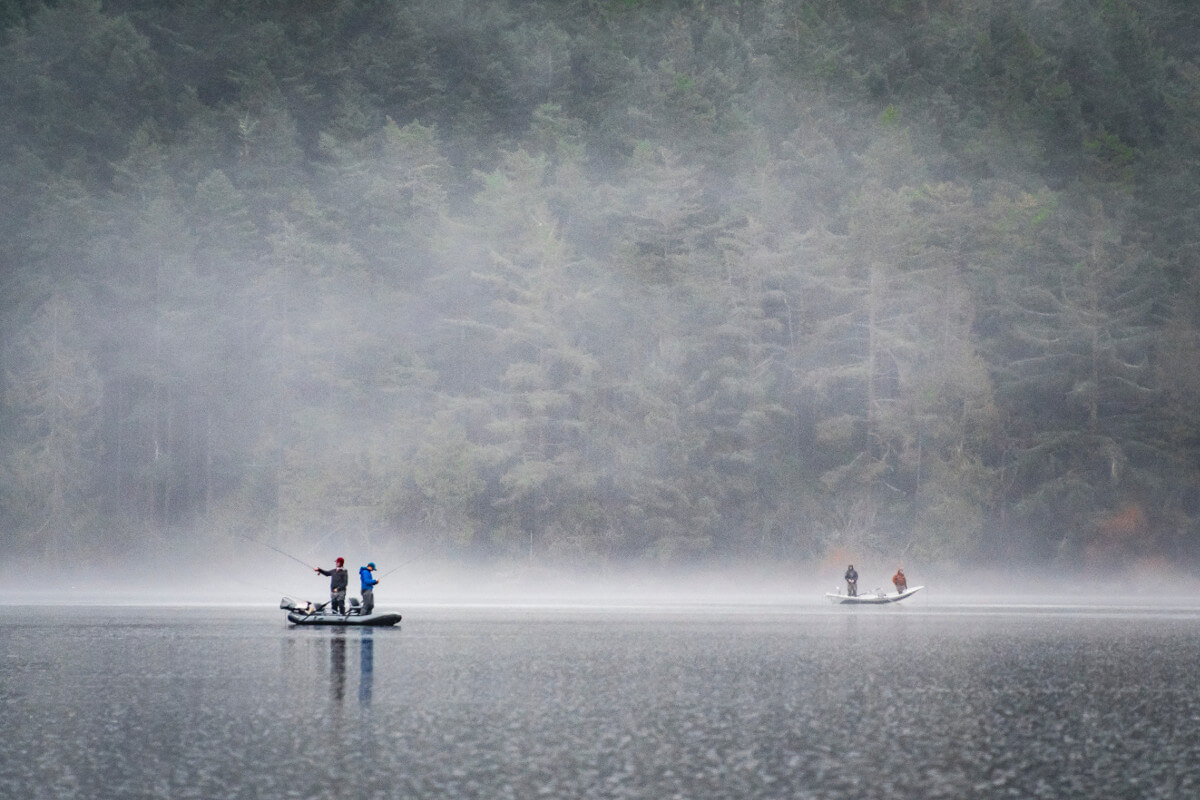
[339, 579]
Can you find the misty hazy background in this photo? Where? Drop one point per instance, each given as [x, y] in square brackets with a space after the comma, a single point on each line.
[599, 288]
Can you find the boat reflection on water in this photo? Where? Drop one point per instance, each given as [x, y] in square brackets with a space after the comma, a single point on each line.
[337, 665]
[367, 668]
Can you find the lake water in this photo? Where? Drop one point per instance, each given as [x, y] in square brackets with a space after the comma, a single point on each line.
[872, 703]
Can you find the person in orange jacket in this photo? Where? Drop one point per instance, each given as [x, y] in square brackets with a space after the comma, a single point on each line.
[900, 582]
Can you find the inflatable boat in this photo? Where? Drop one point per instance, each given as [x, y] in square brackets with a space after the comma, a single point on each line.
[310, 614]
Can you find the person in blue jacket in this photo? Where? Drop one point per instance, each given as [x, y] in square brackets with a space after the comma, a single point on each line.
[368, 587]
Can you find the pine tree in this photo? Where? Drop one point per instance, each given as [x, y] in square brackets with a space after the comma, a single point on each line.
[54, 392]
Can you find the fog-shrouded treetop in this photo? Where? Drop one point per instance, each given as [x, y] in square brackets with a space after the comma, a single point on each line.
[603, 282]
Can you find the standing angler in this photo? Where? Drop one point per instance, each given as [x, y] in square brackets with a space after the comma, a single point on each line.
[851, 581]
[368, 587]
[339, 579]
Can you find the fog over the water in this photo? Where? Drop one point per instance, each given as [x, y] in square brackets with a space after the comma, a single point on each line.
[261, 581]
[599, 302]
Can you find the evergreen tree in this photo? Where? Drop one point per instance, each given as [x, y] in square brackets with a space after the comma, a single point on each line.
[54, 391]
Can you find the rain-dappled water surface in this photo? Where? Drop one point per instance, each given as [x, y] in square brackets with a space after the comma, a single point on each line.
[524, 703]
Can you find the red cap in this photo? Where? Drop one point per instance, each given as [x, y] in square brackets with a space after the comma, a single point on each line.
[340, 561]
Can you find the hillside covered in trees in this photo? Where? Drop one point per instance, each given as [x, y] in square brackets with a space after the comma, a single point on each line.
[599, 282]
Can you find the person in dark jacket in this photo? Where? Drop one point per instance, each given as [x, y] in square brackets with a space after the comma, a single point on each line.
[851, 581]
[339, 580]
[368, 587]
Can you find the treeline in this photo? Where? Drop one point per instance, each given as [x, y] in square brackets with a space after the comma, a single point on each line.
[601, 281]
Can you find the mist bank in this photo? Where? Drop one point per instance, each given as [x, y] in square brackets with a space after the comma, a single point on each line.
[253, 581]
[597, 287]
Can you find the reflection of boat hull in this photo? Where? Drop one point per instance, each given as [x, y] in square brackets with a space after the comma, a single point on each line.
[872, 599]
[320, 618]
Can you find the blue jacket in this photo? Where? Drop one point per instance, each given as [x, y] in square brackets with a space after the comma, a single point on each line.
[367, 581]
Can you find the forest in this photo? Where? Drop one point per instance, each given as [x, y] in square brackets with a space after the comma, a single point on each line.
[595, 283]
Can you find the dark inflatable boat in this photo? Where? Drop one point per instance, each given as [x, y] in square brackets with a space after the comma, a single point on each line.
[310, 614]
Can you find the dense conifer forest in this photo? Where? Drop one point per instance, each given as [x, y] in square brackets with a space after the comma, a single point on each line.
[603, 282]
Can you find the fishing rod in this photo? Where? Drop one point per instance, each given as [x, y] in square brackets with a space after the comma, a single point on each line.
[276, 549]
[309, 566]
[403, 564]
